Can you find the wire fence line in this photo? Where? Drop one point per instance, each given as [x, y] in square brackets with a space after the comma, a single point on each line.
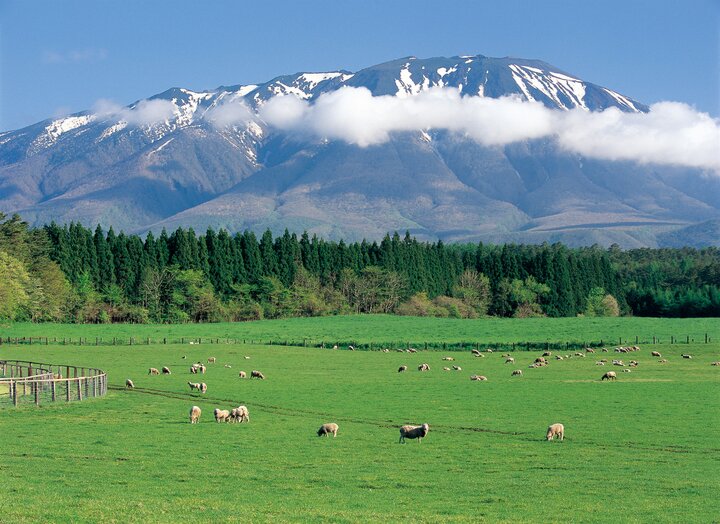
[27, 382]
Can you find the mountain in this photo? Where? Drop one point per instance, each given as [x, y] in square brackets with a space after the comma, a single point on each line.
[129, 169]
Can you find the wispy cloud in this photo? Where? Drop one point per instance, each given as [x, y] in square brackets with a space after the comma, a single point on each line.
[77, 56]
[145, 112]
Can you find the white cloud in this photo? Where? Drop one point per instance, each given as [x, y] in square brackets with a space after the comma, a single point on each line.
[76, 56]
[145, 112]
[670, 133]
[232, 112]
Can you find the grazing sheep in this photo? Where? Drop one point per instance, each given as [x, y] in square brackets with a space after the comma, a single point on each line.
[626, 370]
[633, 363]
[476, 352]
[618, 363]
[509, 360]
[480, 355]
[555, 430]
[423, 367]
[247, 358]
[194, 369]
[326, 429]
[478, 377]
[351, 348]
[517, 372]
[446, 368]
[581, 355]
[240, 414]
[589, 350]
[547, 354]
[488, 350]
[457, 368]
[599, 363]
[559, 357]
[153, 371]
[686, 356]
[412, 350]
[195, 413]
[402, 368]
[203, 387]
[655, 354]
[610, 375]
[540, 360]
[165, 370]
[450, 359]
[212, 360]
[194, 385]
[242, 374]
[221, 415]
[386, 350]
[129, 384]
[663, 360]
[605, 350]
[335, 346]
[256, 374]
[412, 432]
[201, 369]
[716, 363]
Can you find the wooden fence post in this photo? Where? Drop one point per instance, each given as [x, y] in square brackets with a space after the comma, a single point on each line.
[52, 389]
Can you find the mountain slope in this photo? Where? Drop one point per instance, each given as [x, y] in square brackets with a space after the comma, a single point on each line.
[167, 161]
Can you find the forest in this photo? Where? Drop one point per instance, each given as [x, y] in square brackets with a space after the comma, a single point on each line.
[70, 273]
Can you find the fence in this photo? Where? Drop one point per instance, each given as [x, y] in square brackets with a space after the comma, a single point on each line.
[25, 382]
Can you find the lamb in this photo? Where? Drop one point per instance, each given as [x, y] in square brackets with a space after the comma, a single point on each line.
[153, 371]
[256, 374]
[221, 415]
[212, 360]
[412, 432]
[402, 368]
[610, 375]
[656, 354]
[194, 385]
[517, 372]
[247, 358]
[242, 374]
[423, 367]
[240, 414]
[478, 377]
[129, 384]
[195, 413]
[203, 387]
[326, 429]
[165, 370]
[509, 360]
[488, 350]
[555, 430]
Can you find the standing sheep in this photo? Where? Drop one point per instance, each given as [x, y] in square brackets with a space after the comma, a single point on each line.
[402, 368]
[411, 432]
[517, 372]
[165, 370]
[326, 429]
[240, 414]
[153, 371]
[424, 367]
[555, 430]
[656, 354]
[195, 413]
[221, 415]
[509, 360]
[194, 369]
[457, 368]
[256, 374]
[610, 375]
[129, 384]
[212, 360]
[203, 387]
[194, 385]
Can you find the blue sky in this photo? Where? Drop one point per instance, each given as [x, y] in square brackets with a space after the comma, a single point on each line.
[61, 57]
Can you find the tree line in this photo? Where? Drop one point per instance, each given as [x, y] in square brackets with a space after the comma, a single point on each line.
[72, 273]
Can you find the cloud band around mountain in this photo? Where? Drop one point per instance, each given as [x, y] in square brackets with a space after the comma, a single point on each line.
[671, 133]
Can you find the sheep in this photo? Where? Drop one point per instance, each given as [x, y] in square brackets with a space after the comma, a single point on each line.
[589, 350]
[351, 348]
[446, 368]
[656, 354]
[386, 350]
[242, 374]
[246, 357]
[605, 350]
[412, 432]
[326, 429]
[335, 346]
[194, 385]
[201, 369]
[559, 357]
[256, 374]
[509, 360]
[476, 352]
[686, 356]
[457, 368]
[184, 357]
[212, 360]
[153, 371]
[195, 413]
[129, 384]
[450, 359]
[547, 354]
[555, 430]
[412, 350]
[402, 368]
[194, 369]
[663, 361]
[203, 387]
[517, 372]
[582, 355]
[604, 360]
[540, 360]
[423, 367]
[716, 363]
[240, 414]
[634, 363]
[165, 370]
[399, 350]
[626, 370]
[488, 350]
[221, 415]
[228, 366]
[599, 363]
[618, 363]
[478, 377]
[610, 375]
[480, 355]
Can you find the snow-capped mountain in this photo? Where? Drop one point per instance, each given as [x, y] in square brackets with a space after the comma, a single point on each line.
[172, 160]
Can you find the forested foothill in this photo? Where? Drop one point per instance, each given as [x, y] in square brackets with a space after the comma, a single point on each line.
[71, 273]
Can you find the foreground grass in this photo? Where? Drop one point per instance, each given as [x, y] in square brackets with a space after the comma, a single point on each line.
[391, 329]
[641, 449]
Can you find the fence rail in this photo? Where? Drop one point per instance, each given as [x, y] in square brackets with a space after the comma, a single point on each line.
[26, 382]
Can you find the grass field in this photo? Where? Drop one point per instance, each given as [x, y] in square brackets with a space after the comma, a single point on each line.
[643, 448]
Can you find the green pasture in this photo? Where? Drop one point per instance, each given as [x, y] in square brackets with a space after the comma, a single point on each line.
[389, 329]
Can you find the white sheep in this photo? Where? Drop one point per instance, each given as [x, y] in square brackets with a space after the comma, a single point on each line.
[221, 415]
[402, 368]
[478, 377]
[475, 352]
[194, 385]
[194, 369]
[240, 414]
[663, 361]
[212, 360]
[412, 432]
[242, 374]
[203, 387]
[555, 430]
[326, 429]
[256, 374]
[153, 371]
[610, 375]
[201, 369]
[445, 368]
[351, 347]
[129, 384]
[195, 413]
[509, 360]
[228, 366]
[424, 367]
[457, 368]
[450, 359]
[599, 363]
[686, 356]
[716, 363]
[626, 370]
[517, 372]
[165, 370]
[656, 354]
